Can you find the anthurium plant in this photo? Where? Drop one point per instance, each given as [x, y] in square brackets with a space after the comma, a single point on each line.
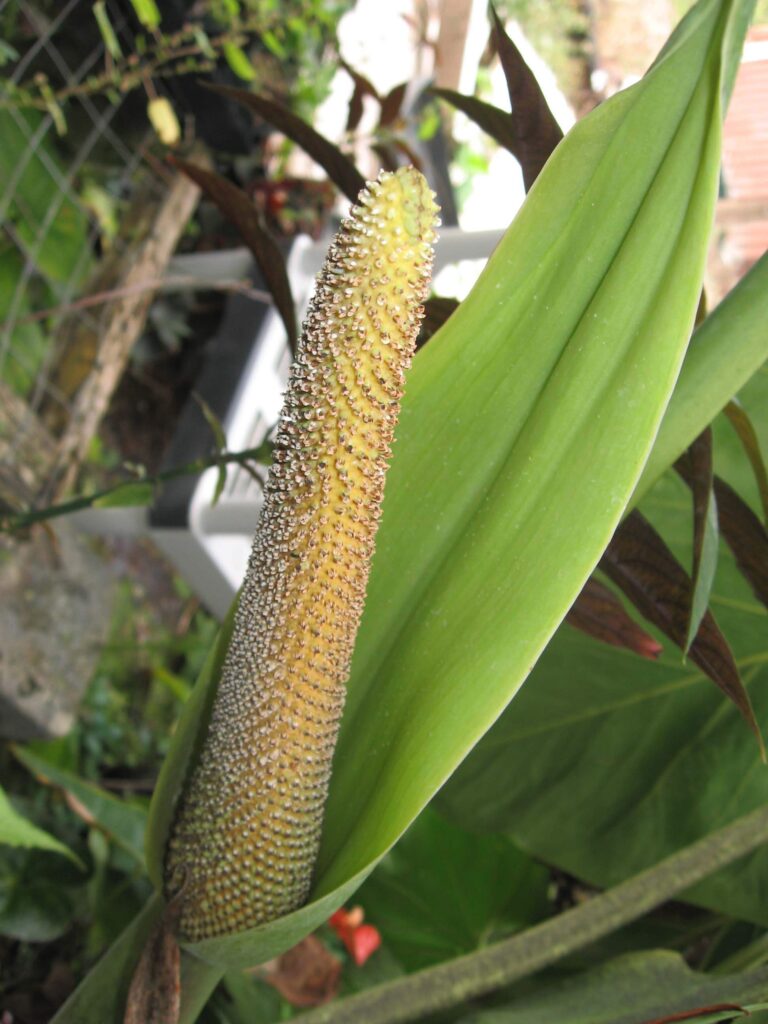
[532, 422]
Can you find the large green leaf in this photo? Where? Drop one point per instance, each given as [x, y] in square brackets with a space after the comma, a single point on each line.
[638, 987]
[495, 889]
[644, 759]
[416, 996]
[526, 423]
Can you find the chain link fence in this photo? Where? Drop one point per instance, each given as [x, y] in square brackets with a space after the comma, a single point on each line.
[70, 164]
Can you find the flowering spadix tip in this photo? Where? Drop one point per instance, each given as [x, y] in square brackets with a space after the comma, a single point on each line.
[247, 829]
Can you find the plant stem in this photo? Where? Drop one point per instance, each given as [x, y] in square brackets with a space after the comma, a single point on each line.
[171, 283]
[21, 520]
[450, 984]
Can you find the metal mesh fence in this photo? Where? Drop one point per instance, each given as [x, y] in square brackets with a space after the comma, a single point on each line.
[83, 195]
[66, 166]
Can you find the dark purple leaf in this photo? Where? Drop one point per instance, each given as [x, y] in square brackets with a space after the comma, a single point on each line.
[536, 130]
[362, 88]
[391, 104]
[355, 111]
[695, 467]
[495, 122]
[641, 565]
[387, 155]
[409, 153]
[746, 537]
[240, 209]
[742, 424]
[336, 165]
[365, 85]
[599, 613]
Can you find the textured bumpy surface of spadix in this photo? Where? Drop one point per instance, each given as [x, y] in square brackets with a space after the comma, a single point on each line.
[245, 838]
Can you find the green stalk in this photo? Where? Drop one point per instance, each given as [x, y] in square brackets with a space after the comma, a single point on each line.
[449, 984]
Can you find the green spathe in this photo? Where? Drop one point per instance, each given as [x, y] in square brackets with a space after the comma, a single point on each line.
[525, 426]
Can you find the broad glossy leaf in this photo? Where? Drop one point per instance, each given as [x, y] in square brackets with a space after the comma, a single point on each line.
[627, 990]
[336, 165]
[244, 1000]
[443, 892]
[649, 758]
[538, 948]
[28, 343]
[241, 211]
[730, 462]
[391, 104]
[695, 467]
[599, 613]
[639, 562]
[536, 130]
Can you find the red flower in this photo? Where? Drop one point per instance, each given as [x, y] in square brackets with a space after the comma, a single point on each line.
[361, 940]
